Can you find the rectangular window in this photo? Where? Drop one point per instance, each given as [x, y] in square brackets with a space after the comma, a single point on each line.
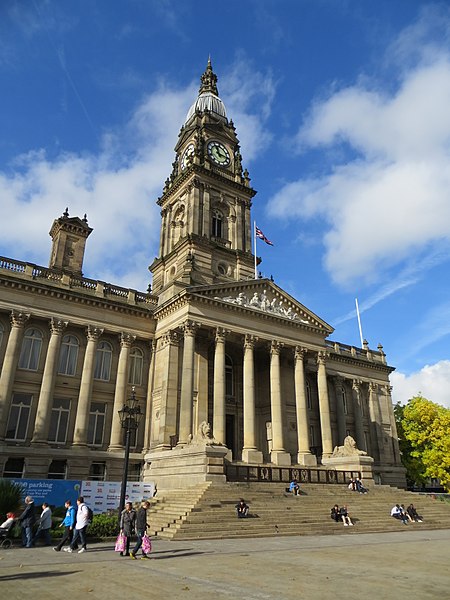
[14, 468]
[97, 472]
[96, 423]
[134, 472]
[59, 420]
[57, 469]
[19, 415]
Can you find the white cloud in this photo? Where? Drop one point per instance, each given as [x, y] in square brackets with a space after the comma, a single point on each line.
[385, 195]
[432, 381]
[117, 188]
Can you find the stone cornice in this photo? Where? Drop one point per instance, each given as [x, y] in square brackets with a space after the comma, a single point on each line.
[360, 362]
[71, 295]
[193, 170]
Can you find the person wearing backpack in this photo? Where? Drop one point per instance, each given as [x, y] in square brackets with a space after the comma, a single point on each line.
[82, 522]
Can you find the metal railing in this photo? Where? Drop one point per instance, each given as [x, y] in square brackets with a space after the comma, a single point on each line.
[271, 474]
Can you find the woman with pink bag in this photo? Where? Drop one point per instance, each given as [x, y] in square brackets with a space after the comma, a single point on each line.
[141, 528]
[127, 527]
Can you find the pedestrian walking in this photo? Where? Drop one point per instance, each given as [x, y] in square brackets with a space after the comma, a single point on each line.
[127, 525]
[81, 525]
[45, 524]
[141, 528]
[69, 524]
[27, 520]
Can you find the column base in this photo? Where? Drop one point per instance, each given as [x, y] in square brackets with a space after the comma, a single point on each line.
[37, 443]
[306, 459]
[116, 448]
[252, 455]
[280, 458]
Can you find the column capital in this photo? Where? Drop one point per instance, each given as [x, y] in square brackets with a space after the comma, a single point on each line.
[356, 385]
[249, 341]
[275, 347]
[171, 337]
[322, 357]
[94, 333]
[373, 387]
[300, 352]
[57, 326]
[19, 319]
[221, 334]
[126, 339]
[338, 381]
[189, 327]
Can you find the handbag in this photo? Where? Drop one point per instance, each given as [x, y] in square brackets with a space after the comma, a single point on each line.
[146, 544]
[120, 543]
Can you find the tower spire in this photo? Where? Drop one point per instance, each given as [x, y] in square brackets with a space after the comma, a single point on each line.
[209, 80]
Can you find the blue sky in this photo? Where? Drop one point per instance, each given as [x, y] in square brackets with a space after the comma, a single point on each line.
[342, 109]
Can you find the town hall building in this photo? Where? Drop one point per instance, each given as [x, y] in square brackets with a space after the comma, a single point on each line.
[212, 343]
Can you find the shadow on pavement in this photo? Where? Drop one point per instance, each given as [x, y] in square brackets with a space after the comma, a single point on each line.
[36, 575]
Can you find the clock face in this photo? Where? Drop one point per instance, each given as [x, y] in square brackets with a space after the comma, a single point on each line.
[187, 156]
[218, 153]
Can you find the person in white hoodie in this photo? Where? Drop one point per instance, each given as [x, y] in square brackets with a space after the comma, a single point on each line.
[81, 525]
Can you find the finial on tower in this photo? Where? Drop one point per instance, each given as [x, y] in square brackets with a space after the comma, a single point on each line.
[209, 80]
[66, 212]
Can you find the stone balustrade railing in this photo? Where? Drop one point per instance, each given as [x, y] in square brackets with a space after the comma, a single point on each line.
[98, 288]
[365, 353]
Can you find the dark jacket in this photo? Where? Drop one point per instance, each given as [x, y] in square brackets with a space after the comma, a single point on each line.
[28, 517]
[128, 521]
[141, 519]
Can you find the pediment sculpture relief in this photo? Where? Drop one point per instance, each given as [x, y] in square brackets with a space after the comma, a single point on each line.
[263, 302]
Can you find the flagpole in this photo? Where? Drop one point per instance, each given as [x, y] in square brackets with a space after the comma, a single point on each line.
[254, 243]
[359, 323]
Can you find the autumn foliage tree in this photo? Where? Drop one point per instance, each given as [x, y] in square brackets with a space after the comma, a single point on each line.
[424, 432]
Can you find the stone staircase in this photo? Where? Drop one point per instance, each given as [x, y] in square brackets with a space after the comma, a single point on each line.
[207, 511]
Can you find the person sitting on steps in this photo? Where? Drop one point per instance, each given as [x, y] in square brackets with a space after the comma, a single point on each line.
[345, 516]
[294, 488]
[412, 512]
[242, 509]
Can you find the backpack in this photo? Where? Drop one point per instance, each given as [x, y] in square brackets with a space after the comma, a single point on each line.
[90, 514]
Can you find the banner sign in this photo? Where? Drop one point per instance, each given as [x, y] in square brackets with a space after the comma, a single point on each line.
[101, 496]
[53, 491]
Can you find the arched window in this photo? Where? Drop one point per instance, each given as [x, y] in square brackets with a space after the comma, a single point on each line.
[68, 355]
[229, 376]
[136, 364]
[103, 358]
[31, 350]
[217, 221]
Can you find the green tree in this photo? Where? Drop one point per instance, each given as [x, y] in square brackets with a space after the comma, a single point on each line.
[424, 431]
[10, 497]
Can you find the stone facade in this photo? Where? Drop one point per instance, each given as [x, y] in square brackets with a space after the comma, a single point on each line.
[212, 343]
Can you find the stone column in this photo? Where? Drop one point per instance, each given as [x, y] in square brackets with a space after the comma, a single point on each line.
[324, 405]
[18, 321]
[44, 408]
[376, 438]
[250, 452]
[395, 446]
[116, 438]
[87, 378]
[357, 413]
[148, 404]
[279, 456]
[219, 386]
[189, 328]
[304, 456]
[166, 366]
[340, 409]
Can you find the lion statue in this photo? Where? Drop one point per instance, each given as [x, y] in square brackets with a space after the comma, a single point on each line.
[348, 449]
[204, 436]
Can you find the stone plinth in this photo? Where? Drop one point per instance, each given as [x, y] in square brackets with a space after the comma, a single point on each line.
[306, 459]
[186, 466]
[363, 464]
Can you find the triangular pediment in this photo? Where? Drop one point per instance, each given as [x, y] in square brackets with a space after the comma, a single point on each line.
[263, 297]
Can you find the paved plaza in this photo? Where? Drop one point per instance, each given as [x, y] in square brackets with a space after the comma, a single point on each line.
[410, 564]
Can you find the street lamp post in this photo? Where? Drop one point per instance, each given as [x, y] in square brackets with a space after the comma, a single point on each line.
[130, 416]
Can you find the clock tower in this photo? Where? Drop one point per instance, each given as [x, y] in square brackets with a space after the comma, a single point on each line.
[205, 204]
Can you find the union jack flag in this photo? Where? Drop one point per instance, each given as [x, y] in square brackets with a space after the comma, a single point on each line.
[261, 236]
